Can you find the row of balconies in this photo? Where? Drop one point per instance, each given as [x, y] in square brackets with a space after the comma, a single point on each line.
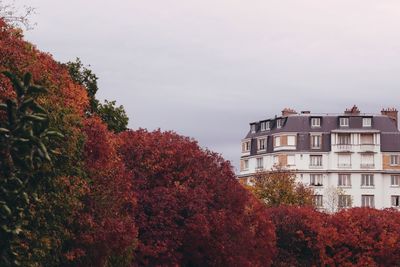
[346, 166]
[350, 148]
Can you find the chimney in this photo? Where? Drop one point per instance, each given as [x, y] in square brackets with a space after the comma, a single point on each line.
[288, 111]
[391, 113]
[352, 111]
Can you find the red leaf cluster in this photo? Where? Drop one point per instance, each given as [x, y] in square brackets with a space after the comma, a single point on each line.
[191, 210]
[354, 237]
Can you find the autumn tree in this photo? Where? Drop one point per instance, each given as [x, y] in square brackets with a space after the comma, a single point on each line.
[191, 210]
[279, 187]
[14, 16]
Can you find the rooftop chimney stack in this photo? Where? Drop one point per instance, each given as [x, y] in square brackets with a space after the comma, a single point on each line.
[288, 111]
[391, 113]
[352, 111]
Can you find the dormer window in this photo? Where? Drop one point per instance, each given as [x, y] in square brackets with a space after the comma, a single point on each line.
[344, 122]
[264, 125]
[279, 123]
[252, 128]
[315, 122]
[246, 146]
[367, 122]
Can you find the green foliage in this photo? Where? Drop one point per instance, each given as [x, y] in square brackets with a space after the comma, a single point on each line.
[24, 161]
[114, 116]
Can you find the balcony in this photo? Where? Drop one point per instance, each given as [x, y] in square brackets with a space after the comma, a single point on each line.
[367, 165]
[368, 147]
[344, 148]
[315, 166]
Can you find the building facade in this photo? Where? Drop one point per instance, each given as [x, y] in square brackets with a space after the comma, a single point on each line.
[353, 154]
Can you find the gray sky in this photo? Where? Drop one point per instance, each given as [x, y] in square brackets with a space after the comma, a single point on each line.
[205, 68]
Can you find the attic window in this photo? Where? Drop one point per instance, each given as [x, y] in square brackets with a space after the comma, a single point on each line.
[279, 123]
[253, 128]
[367, 122]
[344, 122]
[315, 122]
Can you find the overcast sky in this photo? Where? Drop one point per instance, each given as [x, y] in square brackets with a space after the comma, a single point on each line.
[206, 68]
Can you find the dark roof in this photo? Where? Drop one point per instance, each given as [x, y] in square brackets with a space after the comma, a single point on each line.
[301, 124]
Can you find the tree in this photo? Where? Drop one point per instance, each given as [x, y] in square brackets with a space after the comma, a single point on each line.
[279, 187]
[10, 14]
[332, 196]
[191, 211]
[24, 162]
[115, 117]
[303, 236]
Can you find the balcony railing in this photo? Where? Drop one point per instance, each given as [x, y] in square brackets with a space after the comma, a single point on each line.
[368, 147]
[367, 165]
[344, 147]
[344, 165]
[315, 166]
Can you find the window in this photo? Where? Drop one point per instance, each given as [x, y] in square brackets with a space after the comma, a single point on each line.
[290, 160]
[253, 128]
[316, 160]
[344, 160]
[315, 141]
[278, 123]
[316, 179]
[367, 201]
[344, 201]
[264, 125]
[317, 201]
[367, 122]
[344, 122]
[394, 160]
[367, 160]
[246, 146]
[260, 163]
[367, 139]
[395, 201]
[367, 180]
[291, 140]
[344, 180]
[276, 160]
[261, 144]
[244, 165]
[315, 122]
[344, 139]
[395, 180]
[277, 141]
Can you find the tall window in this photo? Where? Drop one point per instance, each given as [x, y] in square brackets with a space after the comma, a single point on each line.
[316, 180]
[344, 201]
[261, 144]
[344, 180]
[395, 180]
[394, 160]
[368, 201]
[316, 160]
[315, 122]
[367, 160]
[291, 140]
[344, 139]
[344, 160]
[318, 201]
[315, 141]
[279, 123]
[367, 139]
[244, 165]
[253, 128]
[277, 141]
[367, 180]
[367, 122]
[344, 122]
[395, 201]
[260, 163]
[246, 146]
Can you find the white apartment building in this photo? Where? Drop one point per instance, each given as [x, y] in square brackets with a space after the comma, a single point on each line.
[356, 154]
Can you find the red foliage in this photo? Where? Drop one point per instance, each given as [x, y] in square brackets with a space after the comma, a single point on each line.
[108, 221]
[366, 237]
[191, 210]
[302, 236]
